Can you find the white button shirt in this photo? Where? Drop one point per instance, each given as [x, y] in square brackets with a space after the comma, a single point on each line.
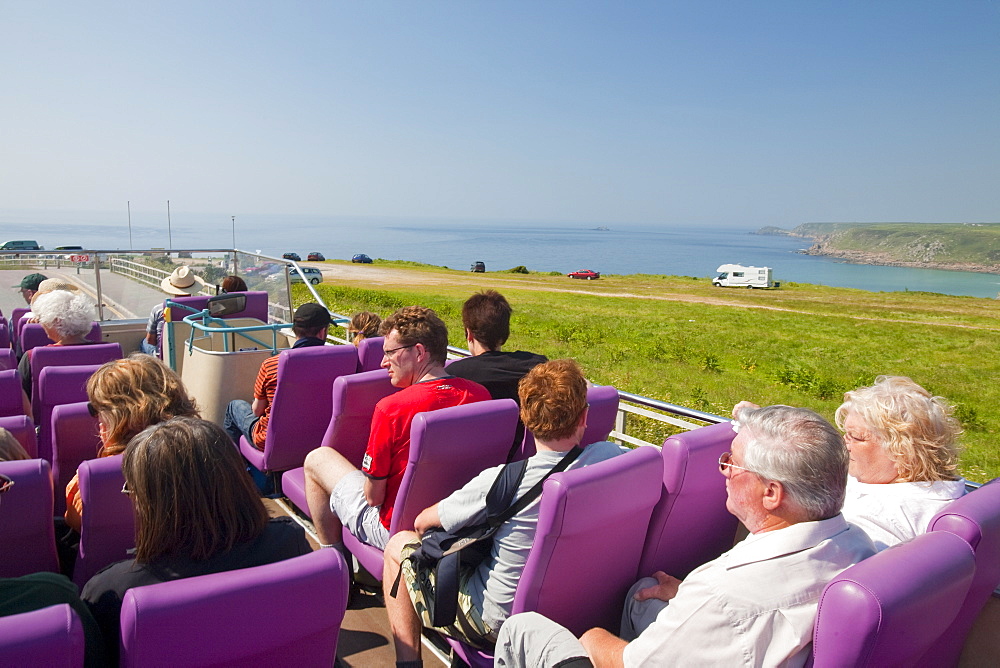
[756, 604]
[896, 512]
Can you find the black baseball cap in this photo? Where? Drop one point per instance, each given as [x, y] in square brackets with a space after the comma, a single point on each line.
[311, 315]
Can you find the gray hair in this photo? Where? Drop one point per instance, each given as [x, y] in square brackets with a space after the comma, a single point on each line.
[69, 314]
[799, 449]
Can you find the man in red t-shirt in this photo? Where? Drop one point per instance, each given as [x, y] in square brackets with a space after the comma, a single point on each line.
[414, 352]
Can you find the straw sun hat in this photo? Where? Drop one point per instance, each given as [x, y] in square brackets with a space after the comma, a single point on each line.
[182, 282]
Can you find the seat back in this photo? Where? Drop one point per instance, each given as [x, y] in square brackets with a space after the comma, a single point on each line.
[107, 530]
[46, 356]
[370, 354]
[33, 335]
[11, 393]
[582, 512]
[23, 429]
[601, 416]
[14, 325]
[181, 622]
[448, 447]
[75, 439]
[976, 519]
[300, 413]
[256, 306]
[690, 525]
[890, 608]
[51, 636]
[354, 398]
[29, 542]
[58, 385]
[5, 339]
[8, 360]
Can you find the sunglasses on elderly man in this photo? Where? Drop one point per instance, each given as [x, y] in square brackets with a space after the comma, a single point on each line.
[726, 463]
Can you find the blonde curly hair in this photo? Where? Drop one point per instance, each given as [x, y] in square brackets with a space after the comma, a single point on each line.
[915, 429]
[133, 393]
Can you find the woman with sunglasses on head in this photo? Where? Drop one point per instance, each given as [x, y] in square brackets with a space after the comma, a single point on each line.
[126, 396]
[903, 445]
[197, 512]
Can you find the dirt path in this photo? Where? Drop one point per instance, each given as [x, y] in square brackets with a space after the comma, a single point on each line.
[368, 275]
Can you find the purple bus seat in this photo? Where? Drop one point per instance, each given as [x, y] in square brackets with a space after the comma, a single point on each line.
[202, 621]
[33, 335]
[370, 354]
[890, 608]
[51, 636]
[8, 360]
[23, 429]
[75, 439]
[5, 338]
[97, 353]
[256, 306]
[14, 326]
[583, 513]
[690, 525]
[107, 531]
[300, 412]
[603, 402]
[58, 385]
[353, 404]
[29, 541]
[11, 393]
[976, 519]
[448, 448]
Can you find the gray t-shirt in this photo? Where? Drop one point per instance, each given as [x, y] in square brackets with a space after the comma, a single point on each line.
[492, 587]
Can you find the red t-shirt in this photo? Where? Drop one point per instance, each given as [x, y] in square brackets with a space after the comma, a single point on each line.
[389, 442]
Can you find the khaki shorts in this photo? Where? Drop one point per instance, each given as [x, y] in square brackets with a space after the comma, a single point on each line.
[468, 625]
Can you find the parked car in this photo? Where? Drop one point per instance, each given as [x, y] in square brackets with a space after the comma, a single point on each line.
[311, 274]
[21, 245]
[478, 267]
[362, 258]
[315, 257]
[294, 257]
[585, 273]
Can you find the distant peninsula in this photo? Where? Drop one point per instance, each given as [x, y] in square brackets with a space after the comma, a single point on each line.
[954, 246]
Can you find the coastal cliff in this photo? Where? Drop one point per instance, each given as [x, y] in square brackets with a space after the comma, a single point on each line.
[954, 246]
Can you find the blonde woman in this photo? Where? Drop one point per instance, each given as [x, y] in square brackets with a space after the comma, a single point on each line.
[126, 396]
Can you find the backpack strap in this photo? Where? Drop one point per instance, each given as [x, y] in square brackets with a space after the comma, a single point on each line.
[496, 520]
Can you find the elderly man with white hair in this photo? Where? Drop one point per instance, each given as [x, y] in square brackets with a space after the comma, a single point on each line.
[754, 605]
[66, 317]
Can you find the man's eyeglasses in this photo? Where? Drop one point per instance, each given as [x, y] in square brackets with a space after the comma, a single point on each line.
[389, 354]
[5, 483]
[726, 463]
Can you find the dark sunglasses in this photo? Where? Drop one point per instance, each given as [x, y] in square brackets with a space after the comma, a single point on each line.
[91, 409]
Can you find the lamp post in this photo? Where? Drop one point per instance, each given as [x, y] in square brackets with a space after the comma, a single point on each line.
[234, 232]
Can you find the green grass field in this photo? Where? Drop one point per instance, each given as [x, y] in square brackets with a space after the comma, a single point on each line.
[681, 340]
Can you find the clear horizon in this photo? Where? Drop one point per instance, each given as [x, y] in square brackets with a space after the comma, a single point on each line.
[712, 113]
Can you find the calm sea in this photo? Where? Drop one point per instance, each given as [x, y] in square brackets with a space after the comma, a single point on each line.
[620, 249]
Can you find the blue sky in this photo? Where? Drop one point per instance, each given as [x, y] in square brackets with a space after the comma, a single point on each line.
[707, 112]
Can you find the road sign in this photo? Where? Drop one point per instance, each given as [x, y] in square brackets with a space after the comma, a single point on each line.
[79, 258]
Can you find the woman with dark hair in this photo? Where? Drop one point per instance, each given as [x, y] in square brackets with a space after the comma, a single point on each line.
[197, 512]
[232, 284]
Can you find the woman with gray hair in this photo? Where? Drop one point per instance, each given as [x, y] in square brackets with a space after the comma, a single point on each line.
[903, 447]
[66, 318]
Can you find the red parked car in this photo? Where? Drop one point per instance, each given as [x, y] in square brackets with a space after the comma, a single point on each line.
[585, 273]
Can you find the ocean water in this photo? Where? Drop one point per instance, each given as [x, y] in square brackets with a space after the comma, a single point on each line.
[620, 249]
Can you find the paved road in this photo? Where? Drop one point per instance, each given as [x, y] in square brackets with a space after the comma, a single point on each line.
[124, 298]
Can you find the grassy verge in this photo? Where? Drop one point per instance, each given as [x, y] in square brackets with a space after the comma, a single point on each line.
[680, 340]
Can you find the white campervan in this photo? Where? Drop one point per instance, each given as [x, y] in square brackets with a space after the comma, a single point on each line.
[738, 276]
